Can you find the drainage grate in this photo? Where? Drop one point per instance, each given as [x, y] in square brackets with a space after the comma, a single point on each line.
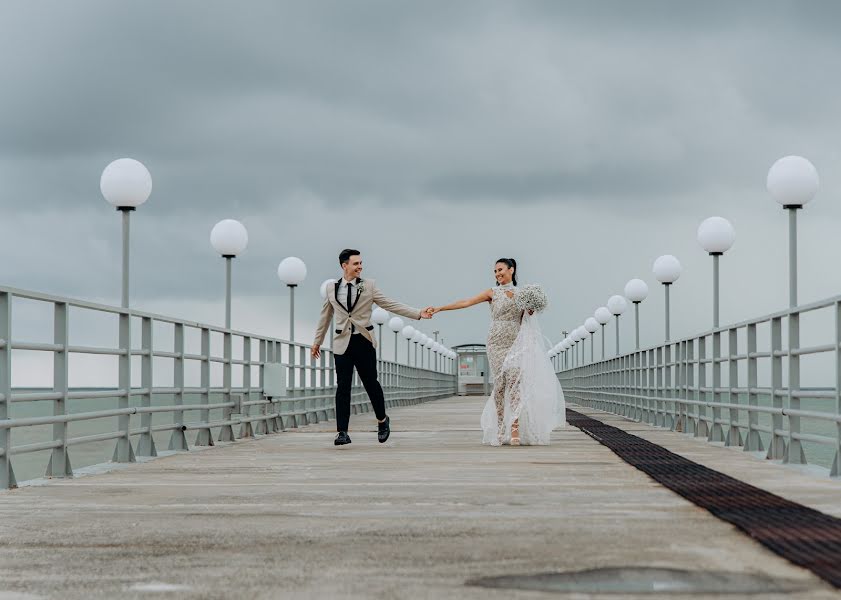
[804, 536]
[644, 580]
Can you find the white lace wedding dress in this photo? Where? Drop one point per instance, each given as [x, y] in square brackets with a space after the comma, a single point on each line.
[525, 386]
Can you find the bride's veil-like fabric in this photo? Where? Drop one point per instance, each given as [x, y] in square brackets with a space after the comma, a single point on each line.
[532, 391]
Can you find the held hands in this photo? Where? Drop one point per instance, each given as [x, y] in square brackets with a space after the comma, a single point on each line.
[429, 311]
[315, 351]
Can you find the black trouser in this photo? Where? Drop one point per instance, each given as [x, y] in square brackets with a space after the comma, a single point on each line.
[361, 354]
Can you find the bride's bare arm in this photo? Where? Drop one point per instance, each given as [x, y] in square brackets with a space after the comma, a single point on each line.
[485, 296]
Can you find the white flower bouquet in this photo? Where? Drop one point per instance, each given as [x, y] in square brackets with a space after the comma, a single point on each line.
[531, 297]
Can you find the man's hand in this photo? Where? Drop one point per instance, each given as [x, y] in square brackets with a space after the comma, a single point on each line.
[315, 351]
[427, 312]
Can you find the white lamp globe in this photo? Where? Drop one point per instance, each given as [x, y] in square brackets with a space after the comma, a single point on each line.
[429, 343]
[438, 347]
[667, 269]
[793, 181]
[617, 304]
[325, 287]
[582, 333]
[636, 290]
[591, 325]
[292, 270]
[408, 332]
[229, 237]
[716, 235]
[126, 183]
[395, 324]
[379, 316]
[417, 336]
[602, 315]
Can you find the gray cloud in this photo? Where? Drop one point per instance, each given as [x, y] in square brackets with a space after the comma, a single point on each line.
[583, 138]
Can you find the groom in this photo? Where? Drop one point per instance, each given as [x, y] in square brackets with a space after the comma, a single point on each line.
[352, 301]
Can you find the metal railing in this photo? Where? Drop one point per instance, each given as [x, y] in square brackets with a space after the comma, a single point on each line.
[309, 396]
[739, 385]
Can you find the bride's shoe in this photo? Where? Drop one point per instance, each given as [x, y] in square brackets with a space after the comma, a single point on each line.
[515, 432]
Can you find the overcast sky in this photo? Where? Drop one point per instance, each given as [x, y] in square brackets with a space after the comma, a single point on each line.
[582, 138]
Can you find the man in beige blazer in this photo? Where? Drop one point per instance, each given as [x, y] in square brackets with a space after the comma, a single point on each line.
[352, 300]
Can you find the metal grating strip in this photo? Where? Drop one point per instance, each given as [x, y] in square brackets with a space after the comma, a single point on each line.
[801, 535]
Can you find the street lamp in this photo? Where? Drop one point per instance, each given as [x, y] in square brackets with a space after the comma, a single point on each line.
[617, 305]
[229, 238]
[602, 316]
[417, 337]
[379, 316]
[125, 184]
[428, 343]
[592, 326]
[396, 325]
[636, 290]
[292, 271]
[716, 236]
[582, 337]
[408, 333]
[793, 182]
[667, 270]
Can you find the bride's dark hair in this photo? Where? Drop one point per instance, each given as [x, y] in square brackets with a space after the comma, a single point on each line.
[511, 264]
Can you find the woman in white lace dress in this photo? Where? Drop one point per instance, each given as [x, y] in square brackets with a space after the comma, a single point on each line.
[527, 402]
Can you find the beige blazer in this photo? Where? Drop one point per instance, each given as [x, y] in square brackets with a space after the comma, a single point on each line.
[359, 318]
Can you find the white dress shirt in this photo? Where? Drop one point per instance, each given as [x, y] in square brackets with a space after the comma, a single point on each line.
[343, 294]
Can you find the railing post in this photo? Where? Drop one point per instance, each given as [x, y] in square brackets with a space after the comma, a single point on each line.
[146, 443]
[679, 405]
[59, 465]
[178, 441]
[835, 471]
[716, 431]
[734, 434]
[226, 433]
[7, 474]
[753, 443]
[794, 450]
[703, 428]
[123, 451]
[668, 388]
[204, 438]
[689, 384]
[777, 447]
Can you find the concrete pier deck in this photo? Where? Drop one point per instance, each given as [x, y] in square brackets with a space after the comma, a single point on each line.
[422, 516]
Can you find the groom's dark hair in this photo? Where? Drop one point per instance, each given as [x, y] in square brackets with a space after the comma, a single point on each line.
[344, 255]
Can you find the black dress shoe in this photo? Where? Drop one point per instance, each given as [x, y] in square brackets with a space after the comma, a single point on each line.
[342, 439]
[383, 430]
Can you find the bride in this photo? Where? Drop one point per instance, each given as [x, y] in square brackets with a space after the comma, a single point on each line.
[527, 402]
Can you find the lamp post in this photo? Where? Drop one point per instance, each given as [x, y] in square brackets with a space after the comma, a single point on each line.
[125, 184]
[229, 238]
[667, 270]
[793, 182]
[408, 333]
[292, 271]
[602, 316]
[429, 343]
[379, 317]
[617, 305]
[592, 326]
[636, 290]
[396, 325]
[582, 335]
[416, 337]
[716, 236]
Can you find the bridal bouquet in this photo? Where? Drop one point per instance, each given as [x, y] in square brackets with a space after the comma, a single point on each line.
[531, 297]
